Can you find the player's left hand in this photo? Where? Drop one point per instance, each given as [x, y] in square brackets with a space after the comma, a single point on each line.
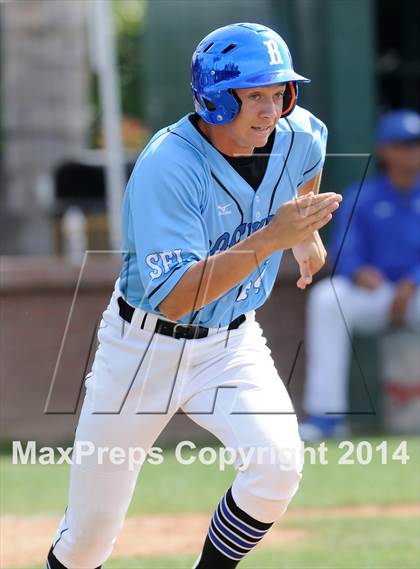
[310, 256]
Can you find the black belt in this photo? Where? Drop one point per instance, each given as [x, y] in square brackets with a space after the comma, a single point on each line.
[174, 329]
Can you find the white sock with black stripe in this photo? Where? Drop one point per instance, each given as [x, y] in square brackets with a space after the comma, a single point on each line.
[232, 534]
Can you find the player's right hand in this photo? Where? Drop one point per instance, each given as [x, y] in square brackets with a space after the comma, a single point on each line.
[297, 219]
[310, 256]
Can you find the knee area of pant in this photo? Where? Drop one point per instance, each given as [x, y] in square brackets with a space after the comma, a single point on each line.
[266, 491]
[281, 481]
[276, 474]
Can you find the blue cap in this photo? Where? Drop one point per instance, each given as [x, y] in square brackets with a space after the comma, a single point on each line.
[398, 126]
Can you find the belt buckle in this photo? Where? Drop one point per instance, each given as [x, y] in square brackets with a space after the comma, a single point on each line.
[192, 331]
[174, 331]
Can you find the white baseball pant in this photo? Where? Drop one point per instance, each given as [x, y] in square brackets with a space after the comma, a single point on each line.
[139, 379]
[337, 308]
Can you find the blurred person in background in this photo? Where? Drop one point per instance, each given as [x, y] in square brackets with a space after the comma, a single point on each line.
[376, 282]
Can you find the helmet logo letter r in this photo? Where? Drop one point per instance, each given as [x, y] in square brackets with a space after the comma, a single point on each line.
[273, 52]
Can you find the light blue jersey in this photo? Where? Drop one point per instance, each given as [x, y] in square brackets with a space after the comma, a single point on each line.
[184, 202]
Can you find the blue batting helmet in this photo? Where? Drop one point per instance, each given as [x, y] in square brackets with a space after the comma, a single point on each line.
[240, 56]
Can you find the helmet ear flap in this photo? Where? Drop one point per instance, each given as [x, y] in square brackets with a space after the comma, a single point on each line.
[200, 101]
[210, 106]
[237, 99]
[221, 108]
[289, 98]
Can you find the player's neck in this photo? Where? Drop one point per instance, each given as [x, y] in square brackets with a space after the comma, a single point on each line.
[221, 140]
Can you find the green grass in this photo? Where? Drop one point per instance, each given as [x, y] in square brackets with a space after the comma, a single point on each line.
[375, 483]
[330, 543]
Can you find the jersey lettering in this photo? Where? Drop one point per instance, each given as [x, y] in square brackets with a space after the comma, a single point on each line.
[254, 285]
[237, 234]
[244, 292]
[221, 243]
[273, 52]
[166, 256]
[162, 262]
[226, 240]
[152, 262]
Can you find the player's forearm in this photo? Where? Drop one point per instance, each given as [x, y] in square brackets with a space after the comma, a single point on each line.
[312, 185]
[211, 278]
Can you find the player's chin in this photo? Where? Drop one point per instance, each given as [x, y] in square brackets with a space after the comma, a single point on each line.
[260, 136]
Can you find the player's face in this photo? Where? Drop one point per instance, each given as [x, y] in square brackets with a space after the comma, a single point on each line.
[402, 158]
[260, 110]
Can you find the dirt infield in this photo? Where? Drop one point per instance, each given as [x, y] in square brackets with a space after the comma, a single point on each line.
[184, 533]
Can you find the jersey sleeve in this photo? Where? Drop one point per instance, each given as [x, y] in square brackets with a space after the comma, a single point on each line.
[165, 214]
[315, 157]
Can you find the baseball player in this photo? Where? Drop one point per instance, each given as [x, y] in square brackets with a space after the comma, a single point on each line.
[211, 204]
[376, 283]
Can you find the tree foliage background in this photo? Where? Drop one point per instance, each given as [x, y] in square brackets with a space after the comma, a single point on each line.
[128, 22]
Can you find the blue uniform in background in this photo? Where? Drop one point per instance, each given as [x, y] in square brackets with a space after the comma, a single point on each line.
[184, 202]
[378, 227]
[383, 230]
